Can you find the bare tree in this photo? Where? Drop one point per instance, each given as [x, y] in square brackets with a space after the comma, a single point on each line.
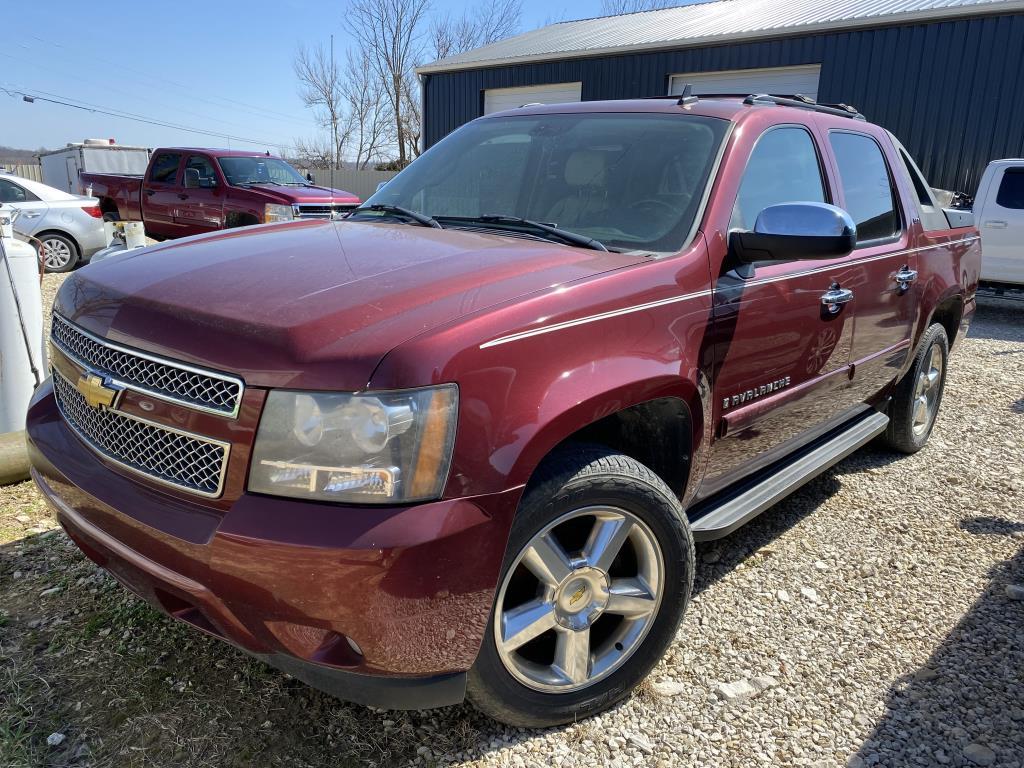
[367, 116]
[391, 34]
[314, 153]
[320, 87]
[615, 7]
[485, 24]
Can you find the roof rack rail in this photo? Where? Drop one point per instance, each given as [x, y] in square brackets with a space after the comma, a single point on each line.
[804, 102]
[798, 100]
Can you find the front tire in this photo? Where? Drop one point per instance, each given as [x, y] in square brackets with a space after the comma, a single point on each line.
[915, 405]
[59, 253]
[597, 575]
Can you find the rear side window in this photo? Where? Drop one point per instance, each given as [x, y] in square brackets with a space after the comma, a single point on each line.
[165, 168]
[1011, 189]
[783, 168]
[867, 186]
[12, 193]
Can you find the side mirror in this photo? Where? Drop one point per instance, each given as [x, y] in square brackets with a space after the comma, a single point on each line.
[191, 178]
[207, 182]
[309, 177]
[796, 231]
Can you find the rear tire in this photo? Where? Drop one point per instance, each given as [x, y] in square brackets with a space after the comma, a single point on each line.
[615, 556]
[915, 405]
[58, 252]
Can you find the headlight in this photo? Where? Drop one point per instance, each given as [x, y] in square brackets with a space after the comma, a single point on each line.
[370, 448]
[272, 212]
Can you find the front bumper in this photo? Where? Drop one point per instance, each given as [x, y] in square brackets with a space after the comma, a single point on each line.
[381, 606]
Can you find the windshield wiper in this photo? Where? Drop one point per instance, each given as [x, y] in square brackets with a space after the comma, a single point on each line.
[573, 238]
[419, 218]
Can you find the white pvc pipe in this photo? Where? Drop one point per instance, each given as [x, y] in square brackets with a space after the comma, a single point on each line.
[17, 382]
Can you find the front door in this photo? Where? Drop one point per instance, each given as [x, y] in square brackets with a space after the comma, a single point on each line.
[782, 356]
[200, 206]
[160, 190]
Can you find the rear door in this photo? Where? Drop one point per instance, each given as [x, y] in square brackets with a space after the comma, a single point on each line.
[781, 356]
[200, 206]
[32, 210]
[1002, 227]
[884, 265]
[160, 190]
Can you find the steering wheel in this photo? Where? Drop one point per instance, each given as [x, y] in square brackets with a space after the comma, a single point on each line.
[651, 202]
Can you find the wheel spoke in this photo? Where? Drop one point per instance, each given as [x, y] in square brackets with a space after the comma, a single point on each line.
[933, 378]
[572, 655]
[522, 624]
[606, 539]
[921, 410]
[630, 598]
[546, 560]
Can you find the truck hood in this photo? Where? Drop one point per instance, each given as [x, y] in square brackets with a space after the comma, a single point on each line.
[278, 193]
[310, 304]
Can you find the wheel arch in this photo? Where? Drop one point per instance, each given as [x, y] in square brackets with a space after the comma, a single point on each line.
[661, 422]
[63, 233]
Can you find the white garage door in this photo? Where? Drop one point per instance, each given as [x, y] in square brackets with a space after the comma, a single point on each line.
[497, 99]
[779, 81]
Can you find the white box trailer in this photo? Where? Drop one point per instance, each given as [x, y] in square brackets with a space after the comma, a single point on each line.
[61, 167]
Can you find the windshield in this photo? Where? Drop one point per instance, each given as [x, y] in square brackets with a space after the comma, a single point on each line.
[630, 181]
[259, 170]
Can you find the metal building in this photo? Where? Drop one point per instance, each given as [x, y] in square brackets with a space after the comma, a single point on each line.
[946, 76]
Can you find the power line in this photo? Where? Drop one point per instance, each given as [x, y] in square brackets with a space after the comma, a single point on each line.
[109, 89]
[190, 88]
[85, 107]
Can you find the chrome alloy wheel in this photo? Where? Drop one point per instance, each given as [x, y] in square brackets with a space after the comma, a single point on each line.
[926, 391]
[56, 253]
[579, 599]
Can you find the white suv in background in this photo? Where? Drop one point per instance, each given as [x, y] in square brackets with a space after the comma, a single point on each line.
[999, 215]
[66, 228]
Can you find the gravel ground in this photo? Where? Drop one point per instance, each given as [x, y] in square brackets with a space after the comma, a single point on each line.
[870, 619]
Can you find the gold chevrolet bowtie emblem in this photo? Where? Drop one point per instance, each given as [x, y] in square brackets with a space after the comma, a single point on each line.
[96, 393]
[575, 597]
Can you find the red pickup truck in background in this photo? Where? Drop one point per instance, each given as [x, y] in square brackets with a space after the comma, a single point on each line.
[187, 191]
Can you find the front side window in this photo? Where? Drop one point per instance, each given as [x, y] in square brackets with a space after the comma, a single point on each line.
[165, 168]
[1011, 189]
[867, 186]
[631, 181]
[13, 193]
[783, 168]
[199, 172]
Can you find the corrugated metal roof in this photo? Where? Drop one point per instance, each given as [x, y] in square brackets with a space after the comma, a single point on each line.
[711, 22]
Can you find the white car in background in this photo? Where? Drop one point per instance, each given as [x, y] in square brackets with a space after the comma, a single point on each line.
[999, 215]
[65, 228]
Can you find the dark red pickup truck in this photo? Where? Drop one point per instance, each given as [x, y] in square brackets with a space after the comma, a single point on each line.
[187, 191]
[461, 443]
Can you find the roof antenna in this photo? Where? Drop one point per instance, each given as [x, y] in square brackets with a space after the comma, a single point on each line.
[687, 97]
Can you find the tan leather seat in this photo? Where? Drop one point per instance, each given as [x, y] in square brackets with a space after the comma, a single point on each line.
[585, 174]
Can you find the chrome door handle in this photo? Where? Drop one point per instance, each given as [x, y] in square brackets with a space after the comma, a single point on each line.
[993, 224]
[905, 277]
[834, 298]
[32, 214]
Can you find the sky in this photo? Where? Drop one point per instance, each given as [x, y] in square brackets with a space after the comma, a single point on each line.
[219, 65]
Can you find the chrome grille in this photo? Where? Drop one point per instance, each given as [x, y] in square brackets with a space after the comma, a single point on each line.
[164, 379]
[321, 210]
[169, 456]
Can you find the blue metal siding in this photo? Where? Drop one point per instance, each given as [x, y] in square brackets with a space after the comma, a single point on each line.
[952, 91]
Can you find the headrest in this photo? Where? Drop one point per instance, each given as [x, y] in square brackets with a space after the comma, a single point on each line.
[585, 168]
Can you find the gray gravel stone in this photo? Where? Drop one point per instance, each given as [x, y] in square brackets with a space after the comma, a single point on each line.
[979, 754]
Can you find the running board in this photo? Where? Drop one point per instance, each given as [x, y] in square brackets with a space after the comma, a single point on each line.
[739, 507]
